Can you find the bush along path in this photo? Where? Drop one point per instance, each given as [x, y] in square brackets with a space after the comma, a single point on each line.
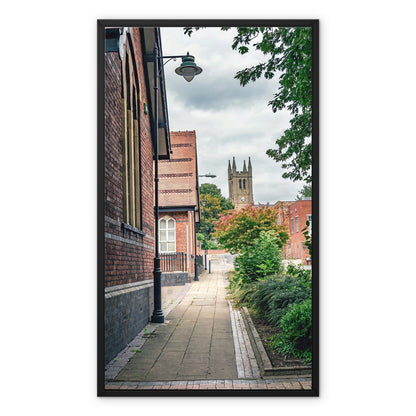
[281, 299]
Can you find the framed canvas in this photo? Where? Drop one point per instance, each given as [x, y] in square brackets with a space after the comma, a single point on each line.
[208, 161]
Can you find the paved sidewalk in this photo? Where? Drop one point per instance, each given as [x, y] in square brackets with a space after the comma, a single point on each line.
[196, 341]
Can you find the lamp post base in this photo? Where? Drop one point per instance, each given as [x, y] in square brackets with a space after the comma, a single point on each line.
[157, 316]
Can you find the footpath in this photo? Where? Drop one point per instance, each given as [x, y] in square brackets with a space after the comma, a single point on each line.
[202, 345]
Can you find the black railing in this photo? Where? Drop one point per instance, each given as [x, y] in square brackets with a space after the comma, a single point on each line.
[173, 262]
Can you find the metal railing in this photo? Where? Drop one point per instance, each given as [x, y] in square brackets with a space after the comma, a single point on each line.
[173, 262]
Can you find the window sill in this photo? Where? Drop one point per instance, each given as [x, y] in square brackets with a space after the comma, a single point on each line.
[135, 230]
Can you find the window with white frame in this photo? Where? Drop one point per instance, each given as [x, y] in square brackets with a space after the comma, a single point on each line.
[278, 219]
[167, 235]
[291, 223]
[310, 223]
[297, 224]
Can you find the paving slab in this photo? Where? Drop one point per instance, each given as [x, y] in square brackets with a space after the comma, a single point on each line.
[196, 342]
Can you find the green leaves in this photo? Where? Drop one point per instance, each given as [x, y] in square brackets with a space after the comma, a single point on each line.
[296, 337]
[308, 238]
[216, 205]
[239, 229]
[261, 259]
[288, 53]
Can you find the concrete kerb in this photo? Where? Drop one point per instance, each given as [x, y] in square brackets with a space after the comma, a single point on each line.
[264, 363]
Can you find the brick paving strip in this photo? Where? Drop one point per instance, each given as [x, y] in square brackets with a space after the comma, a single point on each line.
[269, 384]
[246, 361]
[203, 345]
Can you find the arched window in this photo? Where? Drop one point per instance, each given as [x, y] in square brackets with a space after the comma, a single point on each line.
[167, 235]
[130, 140]
[244, 183]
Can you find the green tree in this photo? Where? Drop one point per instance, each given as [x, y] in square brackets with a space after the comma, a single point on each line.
[216, 205]
[239, 229]
[306, 191]
[289, 53]
[261, 259]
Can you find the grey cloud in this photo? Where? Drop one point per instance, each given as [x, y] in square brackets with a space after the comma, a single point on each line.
[229, 120]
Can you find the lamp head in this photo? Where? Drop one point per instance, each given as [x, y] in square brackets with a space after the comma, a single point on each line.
[188, 68]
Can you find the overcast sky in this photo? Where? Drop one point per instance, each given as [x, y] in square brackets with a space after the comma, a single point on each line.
[229, 120]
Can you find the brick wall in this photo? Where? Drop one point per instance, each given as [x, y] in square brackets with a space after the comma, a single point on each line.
[283, 214]
[300, 209]
[128, 252]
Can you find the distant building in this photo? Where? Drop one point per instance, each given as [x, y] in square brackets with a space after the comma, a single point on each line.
[299, 213]
[179, 209]
[240, 185]
[284, 221]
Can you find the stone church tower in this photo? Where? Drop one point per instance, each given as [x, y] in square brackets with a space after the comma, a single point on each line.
[240, 185]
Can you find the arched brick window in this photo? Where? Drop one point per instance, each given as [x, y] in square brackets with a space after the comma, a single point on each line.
[167, 235]
[130, 140]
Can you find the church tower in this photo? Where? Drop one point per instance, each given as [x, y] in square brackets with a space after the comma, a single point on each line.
[240, 185]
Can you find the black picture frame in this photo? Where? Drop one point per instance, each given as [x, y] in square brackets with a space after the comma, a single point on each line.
[101, 25]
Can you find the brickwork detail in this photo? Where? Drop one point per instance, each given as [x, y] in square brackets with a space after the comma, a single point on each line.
[129, 238]
[298, 215]
[128, 254]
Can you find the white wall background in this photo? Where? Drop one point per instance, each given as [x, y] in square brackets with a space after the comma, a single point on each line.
[48, 208]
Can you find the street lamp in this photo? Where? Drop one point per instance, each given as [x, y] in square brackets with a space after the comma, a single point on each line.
[208, 175]
[188, 69]
[204, 202]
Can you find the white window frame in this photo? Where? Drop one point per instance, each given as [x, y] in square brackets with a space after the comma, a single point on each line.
[310, 223]
[297, 223]
[164, 235]
[292, 226]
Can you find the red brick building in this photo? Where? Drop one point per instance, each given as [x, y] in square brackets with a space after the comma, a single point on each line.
[298, 213]
[283, 220]
[179, 205]
[128, 181]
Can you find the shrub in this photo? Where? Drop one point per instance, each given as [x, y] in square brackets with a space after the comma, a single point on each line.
[274, 296]
[296, 336]
[261, 259]
[300, 274]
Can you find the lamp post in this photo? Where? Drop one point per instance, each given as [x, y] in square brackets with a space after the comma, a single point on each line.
[208, 175]
[204, 202]
[188, 69]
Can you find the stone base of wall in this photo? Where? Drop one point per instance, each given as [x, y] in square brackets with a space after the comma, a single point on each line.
[175, 278]
[128, 309]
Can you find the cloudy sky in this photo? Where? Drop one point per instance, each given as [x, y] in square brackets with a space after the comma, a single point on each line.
[229, 120]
